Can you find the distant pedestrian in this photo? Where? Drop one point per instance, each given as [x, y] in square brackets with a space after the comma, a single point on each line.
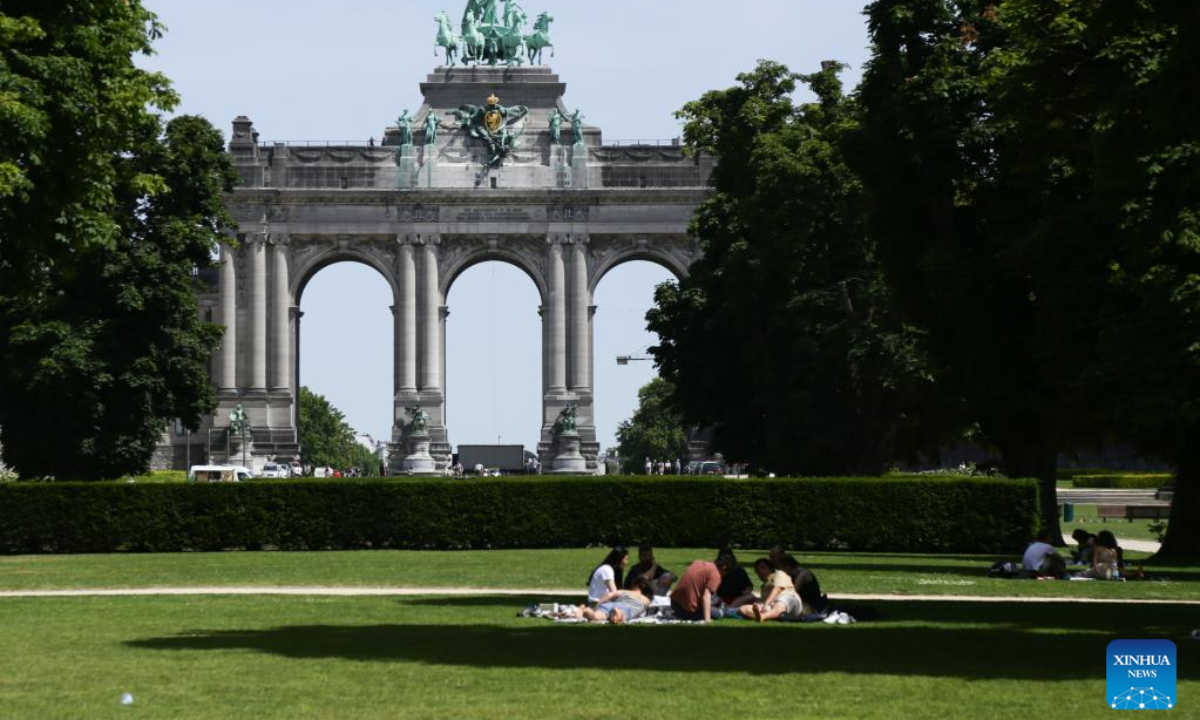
[678, 466]
[649, 467]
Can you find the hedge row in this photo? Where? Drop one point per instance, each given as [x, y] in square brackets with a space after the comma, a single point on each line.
[1124, 482]
[927, 515]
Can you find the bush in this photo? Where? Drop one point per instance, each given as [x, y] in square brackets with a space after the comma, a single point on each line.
[1127, 481]
[902, 515]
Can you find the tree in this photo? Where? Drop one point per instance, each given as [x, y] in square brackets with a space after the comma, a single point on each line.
[327, 439]
[782, 337]
[106, 216]
[655, 431]
[981, 234]
[1103, 99]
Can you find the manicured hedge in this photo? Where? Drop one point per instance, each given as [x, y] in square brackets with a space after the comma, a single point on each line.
[901, 515]
[1124, 481]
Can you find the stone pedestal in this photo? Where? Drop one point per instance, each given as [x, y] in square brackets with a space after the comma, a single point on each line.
[579, 167]
[570, 460]
[406, 167]
[562, 167]
[425, 174]
[419, 461]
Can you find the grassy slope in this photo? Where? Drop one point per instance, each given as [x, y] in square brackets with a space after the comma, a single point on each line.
[550, 569]
[369, 658]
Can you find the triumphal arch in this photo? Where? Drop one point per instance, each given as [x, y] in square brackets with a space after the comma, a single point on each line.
[493, 165]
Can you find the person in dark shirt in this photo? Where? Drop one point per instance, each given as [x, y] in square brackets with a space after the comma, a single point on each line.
[736, 587]
[647, 567]
[807, 585]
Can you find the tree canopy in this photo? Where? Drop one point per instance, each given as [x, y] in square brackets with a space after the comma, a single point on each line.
[326, 439]
[107, 216]
[655, 431]
[1030, 174]
[782, 338]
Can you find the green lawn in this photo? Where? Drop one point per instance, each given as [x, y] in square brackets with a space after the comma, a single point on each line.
[550, 569]
[362, 658]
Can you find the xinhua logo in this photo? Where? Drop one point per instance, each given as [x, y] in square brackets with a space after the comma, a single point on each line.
[1141, 675]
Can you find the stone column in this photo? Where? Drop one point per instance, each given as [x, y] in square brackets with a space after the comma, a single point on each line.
[581, 335]
[431, 345]
[555, 347]
[281, 304]
[256, 334]
[227, 367]
[406, 320]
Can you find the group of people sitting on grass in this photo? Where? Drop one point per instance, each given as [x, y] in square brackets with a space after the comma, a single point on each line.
[1100, 555]
[706, 590]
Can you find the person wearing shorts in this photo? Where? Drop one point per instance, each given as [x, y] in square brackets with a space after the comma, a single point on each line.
[620, 606]
[779, 598]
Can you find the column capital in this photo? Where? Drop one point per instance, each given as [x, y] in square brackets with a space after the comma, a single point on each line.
[431, 240]
[557, 239]
[579, 240]
[279, 239]
[405, 240]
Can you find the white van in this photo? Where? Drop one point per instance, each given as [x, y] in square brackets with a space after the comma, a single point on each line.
[219, 473]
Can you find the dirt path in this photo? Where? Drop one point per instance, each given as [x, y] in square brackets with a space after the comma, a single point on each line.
[524, 592]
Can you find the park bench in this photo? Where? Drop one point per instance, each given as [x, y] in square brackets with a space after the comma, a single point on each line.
[1133, 512]
[1151, 512]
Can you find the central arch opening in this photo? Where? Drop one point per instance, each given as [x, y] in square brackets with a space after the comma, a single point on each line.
[493, 357]
[346, 345]
[622, 298]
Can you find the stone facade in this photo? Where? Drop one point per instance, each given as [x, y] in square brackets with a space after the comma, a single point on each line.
[420, 216]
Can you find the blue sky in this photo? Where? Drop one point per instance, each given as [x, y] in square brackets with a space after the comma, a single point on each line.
[307, 70]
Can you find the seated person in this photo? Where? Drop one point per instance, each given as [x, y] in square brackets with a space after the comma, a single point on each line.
[779, 597]
[1086, 546]
[1039, 555]
[1107, 560]
[620, 606]
[806, 583]
[647, 567]
[736, 588]
[692, 598]
[606, 578]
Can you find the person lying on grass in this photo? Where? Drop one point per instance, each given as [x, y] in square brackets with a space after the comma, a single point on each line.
[620, 606]
[779, 598]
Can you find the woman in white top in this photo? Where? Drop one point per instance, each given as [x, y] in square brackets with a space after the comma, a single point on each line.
[607, 576]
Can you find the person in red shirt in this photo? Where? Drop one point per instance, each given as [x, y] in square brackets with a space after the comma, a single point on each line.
[692, 597]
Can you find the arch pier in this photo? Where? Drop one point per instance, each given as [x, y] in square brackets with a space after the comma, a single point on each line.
[420, 213]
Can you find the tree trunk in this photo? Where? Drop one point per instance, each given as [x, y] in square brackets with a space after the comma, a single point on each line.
[1040, 463]
[1183, 530]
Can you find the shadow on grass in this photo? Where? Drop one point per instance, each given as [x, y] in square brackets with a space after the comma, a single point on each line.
[953, 640]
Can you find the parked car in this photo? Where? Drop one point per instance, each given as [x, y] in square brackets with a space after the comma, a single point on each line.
[275, 470]
[219, 473]
[297, 469]
[711, 467]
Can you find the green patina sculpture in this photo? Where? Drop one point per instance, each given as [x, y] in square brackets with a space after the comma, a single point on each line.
[556, 121]
[493, 124]
[566, 420]
[432, 122]
[237, 420]
[418, 420]
[491, 37]
[577, 127]
[405, 124]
